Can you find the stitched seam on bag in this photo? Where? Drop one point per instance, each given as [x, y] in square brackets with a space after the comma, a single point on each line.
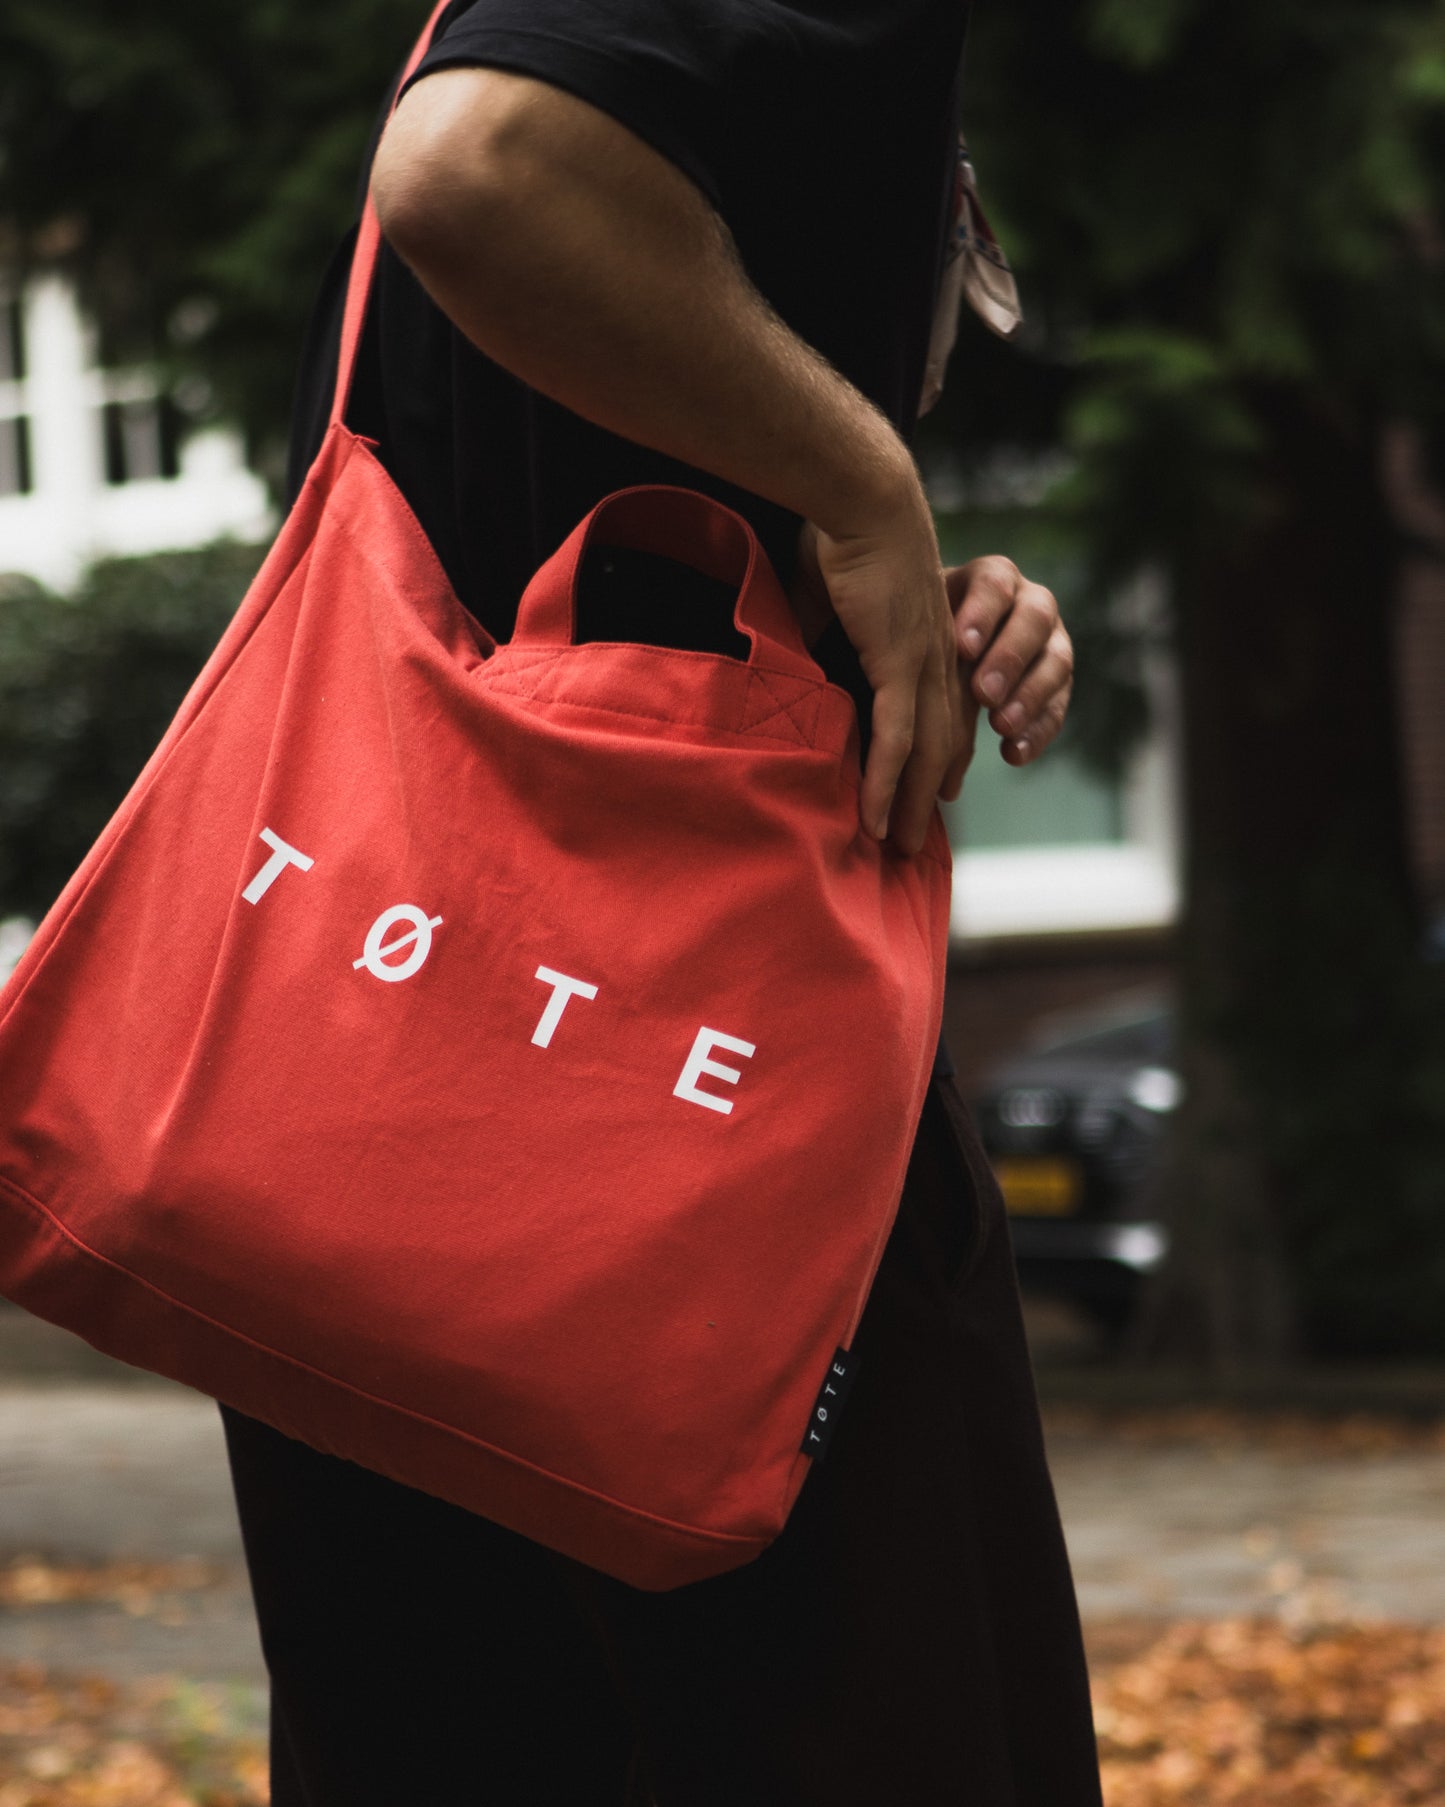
[390, 1405]
[504, 681]
[523, 659]
[520, 654]
[500, 681]
[510, 682]
[779, 709]
[533, 653]
[783, 708]
[524, 682]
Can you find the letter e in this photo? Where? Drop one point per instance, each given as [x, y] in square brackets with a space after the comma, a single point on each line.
[698, 1063]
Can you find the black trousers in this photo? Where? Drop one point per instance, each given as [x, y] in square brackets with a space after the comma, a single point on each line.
[911, 1640]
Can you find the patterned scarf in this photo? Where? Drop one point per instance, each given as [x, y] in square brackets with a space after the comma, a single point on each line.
[974, 269]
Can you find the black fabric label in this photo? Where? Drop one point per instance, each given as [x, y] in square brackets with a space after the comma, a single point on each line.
[824, 1419]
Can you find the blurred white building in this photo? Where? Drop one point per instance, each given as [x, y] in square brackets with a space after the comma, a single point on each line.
[93, 462]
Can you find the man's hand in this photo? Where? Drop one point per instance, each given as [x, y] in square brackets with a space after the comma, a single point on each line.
[885, 583]
[1012, 653]
[1017, 650]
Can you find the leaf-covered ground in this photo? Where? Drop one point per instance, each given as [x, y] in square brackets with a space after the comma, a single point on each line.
[1302, 1434]
[86, 1742]
[1246, 1712]
[1234, 1713]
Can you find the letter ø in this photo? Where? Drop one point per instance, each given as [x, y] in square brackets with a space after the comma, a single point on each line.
[376, 949]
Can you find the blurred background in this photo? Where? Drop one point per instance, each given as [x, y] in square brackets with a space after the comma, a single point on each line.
[1197, 990]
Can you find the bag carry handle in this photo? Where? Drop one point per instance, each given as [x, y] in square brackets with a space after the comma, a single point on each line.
[368, 243]
[692, 528]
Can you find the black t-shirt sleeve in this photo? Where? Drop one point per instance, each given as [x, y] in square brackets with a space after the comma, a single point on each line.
[662, 68]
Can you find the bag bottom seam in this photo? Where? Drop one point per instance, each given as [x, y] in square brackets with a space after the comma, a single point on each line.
[691, 1532]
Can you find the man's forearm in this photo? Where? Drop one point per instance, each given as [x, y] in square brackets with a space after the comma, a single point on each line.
[584, 262]
[588, 265]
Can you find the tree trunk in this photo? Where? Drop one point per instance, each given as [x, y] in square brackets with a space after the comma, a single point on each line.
[1299, 922]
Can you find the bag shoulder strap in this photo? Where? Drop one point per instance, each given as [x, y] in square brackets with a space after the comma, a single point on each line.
[368, 243]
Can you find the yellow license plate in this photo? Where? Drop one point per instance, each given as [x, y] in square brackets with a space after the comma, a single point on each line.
[1040, 1186]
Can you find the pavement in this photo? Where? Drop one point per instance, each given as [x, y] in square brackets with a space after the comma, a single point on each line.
[94, 1473]
[1237, 1529]
[101, 1465]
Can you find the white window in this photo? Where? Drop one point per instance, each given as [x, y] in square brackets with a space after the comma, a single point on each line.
[12, 340]
[141, 439]
[96, 459]
[16, 476]
[16, 465]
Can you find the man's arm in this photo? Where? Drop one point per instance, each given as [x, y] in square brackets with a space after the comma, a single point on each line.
[584, 262]
[588, 265]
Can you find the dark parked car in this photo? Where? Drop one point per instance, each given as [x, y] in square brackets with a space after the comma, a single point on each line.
[1073, 1128]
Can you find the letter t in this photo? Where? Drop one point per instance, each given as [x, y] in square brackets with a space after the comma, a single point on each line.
[563, 991]
[282, 856]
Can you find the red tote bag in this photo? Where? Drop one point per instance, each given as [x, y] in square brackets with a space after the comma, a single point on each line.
[496, 1065]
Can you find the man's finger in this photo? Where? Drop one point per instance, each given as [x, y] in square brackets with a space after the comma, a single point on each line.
[1044, 729]
[894, 708]
[980, 594]
[1051, 672]
[938, 736]
[953, 777]
[917, 793]
[1019, 641]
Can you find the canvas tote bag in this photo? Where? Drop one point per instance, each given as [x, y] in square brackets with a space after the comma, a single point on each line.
[496, 1065]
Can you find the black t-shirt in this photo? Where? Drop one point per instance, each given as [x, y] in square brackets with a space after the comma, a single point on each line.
[822, 131]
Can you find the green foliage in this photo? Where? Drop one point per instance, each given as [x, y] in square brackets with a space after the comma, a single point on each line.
[1209, 204]
[87, 687]
[1139, 36]
[194, 166]
[1155, 418]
